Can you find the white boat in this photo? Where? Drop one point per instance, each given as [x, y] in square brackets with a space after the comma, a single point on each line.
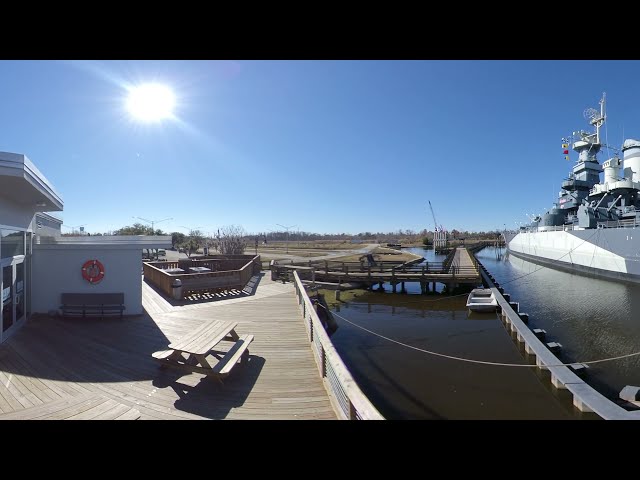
[482, 300]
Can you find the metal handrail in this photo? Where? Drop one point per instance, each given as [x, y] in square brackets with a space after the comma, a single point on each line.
[348, 400]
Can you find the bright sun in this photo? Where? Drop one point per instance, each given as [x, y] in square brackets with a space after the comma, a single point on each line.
[151, 102]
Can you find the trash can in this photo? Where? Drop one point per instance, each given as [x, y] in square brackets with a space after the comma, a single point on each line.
[176, 286]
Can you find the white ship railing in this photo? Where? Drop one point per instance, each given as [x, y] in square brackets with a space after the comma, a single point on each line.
[560, 228]
[631, 223]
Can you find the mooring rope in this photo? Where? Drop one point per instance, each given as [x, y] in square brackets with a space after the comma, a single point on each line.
[484, 362]
[470, 360]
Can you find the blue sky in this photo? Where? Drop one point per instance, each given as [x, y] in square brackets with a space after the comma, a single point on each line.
[329, 146]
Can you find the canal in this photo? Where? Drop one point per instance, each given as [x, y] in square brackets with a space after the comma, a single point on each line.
[404, 383]
[592, 318]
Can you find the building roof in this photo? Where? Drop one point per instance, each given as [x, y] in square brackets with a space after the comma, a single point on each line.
[22, 183]
[130, 241]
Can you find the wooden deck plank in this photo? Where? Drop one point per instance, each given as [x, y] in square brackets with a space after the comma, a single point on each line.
[100, 409]
[74, 409]
[130, 414]
[48, 409]
[60, 388]
[104, 369]
[12, 387]
[34, 385]
[6, 406]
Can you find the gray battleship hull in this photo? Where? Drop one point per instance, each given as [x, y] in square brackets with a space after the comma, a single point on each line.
[612, 253]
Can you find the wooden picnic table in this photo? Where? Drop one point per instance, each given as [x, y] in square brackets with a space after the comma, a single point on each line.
[196, 350]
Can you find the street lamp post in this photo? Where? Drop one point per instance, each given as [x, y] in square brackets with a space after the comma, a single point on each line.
[287, 228]
[73, 227]
[191, 229]
[153, 222]
[153, 231]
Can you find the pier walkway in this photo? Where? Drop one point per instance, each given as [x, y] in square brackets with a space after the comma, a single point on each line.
[80, 368]
[459, 268]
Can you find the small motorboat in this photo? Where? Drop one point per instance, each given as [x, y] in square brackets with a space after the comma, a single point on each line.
[482, 300]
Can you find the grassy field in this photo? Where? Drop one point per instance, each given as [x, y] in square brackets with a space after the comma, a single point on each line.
[380, 254]
[315, 245]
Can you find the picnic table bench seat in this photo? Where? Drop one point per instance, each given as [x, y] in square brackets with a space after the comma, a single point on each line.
[196, 351]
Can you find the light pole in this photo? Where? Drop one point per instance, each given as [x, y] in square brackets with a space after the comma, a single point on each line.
[191, 229]
[73, 227]
[287, 228]
[153, 222]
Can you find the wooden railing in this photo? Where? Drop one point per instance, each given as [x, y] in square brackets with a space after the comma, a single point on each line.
[244, 269]
[347, 398]
[446, 265]
[376, 271]
[158, 277]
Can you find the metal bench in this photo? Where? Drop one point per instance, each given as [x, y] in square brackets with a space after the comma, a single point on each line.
[92, 304]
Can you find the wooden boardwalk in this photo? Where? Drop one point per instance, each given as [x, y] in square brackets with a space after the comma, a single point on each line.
[461, 270]
[462, 259]
[93, 368]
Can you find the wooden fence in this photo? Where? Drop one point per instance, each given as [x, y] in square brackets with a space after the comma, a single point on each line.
[226, 273]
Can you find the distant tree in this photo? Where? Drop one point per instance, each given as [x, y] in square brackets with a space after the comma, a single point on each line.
[426, 242]
[135, 229]
[231, 240]
[192, 242]
[138, 229]
[177, 238]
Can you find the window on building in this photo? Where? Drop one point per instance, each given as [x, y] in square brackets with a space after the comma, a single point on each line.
[11, 243]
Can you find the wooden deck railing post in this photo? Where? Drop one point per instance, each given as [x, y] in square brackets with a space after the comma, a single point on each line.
[352, 411]
[323, 362]
[340, 384]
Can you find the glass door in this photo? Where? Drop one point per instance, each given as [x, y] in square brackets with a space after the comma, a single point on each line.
[13, 295]
[18, 274]
[7, 298]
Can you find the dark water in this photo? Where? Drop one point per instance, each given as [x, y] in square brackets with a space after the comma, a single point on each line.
[591, 318]
[408, 384]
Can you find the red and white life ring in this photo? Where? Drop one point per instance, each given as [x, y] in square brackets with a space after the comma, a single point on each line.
[93, 271]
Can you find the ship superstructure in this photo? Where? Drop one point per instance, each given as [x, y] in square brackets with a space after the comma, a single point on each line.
[591, 227]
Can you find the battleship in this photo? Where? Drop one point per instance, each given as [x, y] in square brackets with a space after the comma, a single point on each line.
[594, 227]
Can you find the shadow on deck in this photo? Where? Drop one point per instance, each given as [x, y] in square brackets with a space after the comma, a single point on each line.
[247, 291]
[52, 358]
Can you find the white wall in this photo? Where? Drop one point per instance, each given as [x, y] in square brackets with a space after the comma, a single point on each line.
[58, 269]
[15, 215]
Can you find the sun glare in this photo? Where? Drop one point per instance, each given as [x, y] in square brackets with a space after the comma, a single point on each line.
[151, 102]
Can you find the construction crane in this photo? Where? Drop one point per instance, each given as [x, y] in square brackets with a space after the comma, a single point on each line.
[437, 228]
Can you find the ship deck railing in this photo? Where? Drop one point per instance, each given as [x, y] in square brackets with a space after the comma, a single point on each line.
[630, 223]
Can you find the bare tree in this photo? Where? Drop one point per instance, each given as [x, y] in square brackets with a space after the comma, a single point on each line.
[231, 240]
[192, 242]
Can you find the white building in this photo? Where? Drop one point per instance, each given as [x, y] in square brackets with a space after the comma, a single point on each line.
[38, 265]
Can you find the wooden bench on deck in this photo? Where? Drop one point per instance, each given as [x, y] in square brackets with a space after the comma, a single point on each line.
[199, 346]
[92, 304]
